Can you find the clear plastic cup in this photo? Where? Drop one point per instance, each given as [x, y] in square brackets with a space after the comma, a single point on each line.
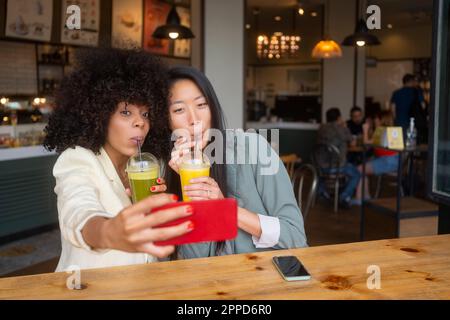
[143, 171]
[192, 168]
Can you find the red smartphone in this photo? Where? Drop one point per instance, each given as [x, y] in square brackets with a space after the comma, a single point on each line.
[214, 220]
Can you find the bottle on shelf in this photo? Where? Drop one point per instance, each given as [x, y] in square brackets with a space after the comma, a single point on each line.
[411, 135]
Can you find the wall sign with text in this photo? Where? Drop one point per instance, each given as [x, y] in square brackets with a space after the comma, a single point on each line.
[88, 35]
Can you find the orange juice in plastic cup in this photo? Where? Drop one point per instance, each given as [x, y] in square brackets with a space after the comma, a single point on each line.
[190, 169]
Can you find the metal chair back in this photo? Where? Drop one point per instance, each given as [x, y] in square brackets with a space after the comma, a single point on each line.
[305, 182]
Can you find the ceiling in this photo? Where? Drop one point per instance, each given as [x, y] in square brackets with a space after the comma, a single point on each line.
[263, 19]
[280, 3]
[405, 13]
[398, 4]
[399, 13]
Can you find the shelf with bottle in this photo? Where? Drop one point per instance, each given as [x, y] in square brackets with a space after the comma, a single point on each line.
[411, 135]
[47, 86]
[22, 135]
[58, 55]
[53, 63]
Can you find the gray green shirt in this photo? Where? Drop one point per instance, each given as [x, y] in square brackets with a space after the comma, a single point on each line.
[270, 195]
[337, 135]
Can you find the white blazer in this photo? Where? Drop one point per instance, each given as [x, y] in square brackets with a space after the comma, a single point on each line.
[87, 185]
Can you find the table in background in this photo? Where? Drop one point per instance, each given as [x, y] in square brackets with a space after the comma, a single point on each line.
[411, 268]
[402, 208]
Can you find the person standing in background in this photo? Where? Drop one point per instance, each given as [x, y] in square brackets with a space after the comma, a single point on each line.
[407, 102]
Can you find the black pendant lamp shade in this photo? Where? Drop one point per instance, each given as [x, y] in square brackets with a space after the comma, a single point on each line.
[173, 29]
[361, 37]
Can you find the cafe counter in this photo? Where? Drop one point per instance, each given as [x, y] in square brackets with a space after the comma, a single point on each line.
[294, 137]
[27, 199]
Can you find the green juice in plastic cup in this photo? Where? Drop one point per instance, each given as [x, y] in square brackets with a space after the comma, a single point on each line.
[143, 171]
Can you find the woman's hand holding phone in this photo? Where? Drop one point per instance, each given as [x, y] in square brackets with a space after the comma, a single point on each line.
[133, 229]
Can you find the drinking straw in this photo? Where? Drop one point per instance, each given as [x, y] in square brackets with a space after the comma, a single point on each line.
[138, 142]
[197, 142]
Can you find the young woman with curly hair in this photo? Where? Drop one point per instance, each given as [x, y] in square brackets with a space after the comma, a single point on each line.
[112, 99]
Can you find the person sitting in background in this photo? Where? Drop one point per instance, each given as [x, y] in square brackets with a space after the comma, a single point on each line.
[385, 161]
[355, 123]
[335, 133]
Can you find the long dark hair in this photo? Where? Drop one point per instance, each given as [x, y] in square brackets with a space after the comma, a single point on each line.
[218, 171]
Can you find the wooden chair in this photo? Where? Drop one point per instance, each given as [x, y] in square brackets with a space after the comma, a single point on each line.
[289, 162]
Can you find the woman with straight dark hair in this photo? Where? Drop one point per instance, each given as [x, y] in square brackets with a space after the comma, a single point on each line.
[268, 215]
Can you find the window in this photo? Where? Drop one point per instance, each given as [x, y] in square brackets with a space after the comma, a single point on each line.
[440, 149]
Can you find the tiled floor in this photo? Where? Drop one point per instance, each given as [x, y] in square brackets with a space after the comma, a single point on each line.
[30, 251]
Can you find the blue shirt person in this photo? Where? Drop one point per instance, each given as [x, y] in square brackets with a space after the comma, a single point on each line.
[403, 100]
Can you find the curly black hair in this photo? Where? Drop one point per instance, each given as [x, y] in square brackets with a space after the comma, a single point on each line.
[90, 94]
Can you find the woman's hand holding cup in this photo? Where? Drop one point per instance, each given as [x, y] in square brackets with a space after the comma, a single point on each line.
[203, 188]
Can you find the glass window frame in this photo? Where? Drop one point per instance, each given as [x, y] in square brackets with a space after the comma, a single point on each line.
[440, 96]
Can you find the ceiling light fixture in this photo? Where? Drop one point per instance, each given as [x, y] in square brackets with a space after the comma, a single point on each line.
[361, 37]
[300, 7]
[173, 29]
[278, 45]
[360, 43]
[327, 48]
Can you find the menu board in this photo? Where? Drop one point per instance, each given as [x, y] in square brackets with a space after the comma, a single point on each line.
[90, 23]
[155, 15]
[31, 20]
[127, 23]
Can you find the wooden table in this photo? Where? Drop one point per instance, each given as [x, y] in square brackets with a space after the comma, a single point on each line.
[411, 268]
[356, 149]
